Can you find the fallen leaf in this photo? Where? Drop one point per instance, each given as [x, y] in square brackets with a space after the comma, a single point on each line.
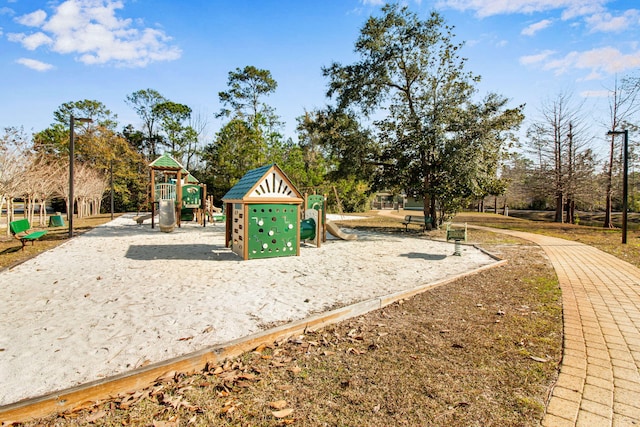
[539, 359]
[207, 329]
[296, 369]
[166, 377]
[185, 338]
[95, 416]
[278, 404]
[248, 376]
[283, 413]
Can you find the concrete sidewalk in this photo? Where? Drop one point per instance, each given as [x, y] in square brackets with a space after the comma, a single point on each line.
[599, 382]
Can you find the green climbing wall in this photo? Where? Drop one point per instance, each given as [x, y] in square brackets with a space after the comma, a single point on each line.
[272, 230]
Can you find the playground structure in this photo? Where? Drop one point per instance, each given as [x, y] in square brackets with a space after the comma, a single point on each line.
[177, 184]
[315, 209]
[264, 216]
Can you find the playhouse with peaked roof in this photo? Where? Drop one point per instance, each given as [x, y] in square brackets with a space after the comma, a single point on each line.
[176, 184]
[263, 215]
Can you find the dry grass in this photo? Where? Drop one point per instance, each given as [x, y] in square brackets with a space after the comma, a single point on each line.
[482, 351]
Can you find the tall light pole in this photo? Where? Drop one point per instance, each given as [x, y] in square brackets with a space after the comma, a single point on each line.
[625, 179]
[71, 161]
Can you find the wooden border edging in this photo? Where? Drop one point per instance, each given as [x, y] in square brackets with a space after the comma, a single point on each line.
[128, 382]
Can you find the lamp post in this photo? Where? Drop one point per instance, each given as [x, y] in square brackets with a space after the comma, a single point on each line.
[71, 161]
[625, 179]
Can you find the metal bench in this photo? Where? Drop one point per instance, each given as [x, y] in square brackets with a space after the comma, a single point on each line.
[20, 229]
[425, 222]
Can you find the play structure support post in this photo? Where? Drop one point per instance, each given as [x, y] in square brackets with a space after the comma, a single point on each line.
[153, 198]
[203, 205]
[319, 226]
[178, 204]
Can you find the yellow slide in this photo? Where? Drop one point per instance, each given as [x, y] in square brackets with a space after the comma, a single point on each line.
[335, 230]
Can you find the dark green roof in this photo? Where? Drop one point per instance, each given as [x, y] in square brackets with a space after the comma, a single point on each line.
[166, 162]
[190, 179]
[246, 183]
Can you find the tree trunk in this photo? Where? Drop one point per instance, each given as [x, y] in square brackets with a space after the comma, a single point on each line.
[569, 209]
[608, 223]
[559, 206]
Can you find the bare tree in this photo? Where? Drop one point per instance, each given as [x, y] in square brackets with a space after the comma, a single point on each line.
[198, 122]
[559, 140]
[91, 185]
[622, 105]
[13, 148]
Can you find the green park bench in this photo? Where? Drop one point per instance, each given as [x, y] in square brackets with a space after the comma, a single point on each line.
[20, 229]
[425, 222]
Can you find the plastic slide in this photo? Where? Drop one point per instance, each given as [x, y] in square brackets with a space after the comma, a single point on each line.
[167, 216]
[335, 230]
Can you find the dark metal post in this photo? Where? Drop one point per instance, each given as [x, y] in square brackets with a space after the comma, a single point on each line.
[625, 186]
[70, 204]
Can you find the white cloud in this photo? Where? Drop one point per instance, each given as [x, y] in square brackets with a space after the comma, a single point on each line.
[484, 8]
[30, 42]
[597, 62]
[91, 30]
[33, 19]
[34, 64]
[595, 93]
[607, 23]
[373, 2]
[534, 28]
[534, 59]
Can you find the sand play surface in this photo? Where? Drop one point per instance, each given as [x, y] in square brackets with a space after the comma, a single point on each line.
[124, 295]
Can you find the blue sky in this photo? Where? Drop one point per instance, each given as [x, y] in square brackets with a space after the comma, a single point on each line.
[58, 51]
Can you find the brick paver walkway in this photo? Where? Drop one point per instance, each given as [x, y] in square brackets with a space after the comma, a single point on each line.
[599, 382]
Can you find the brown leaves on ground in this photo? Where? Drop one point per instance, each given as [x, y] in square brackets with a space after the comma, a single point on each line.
[439, 358]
